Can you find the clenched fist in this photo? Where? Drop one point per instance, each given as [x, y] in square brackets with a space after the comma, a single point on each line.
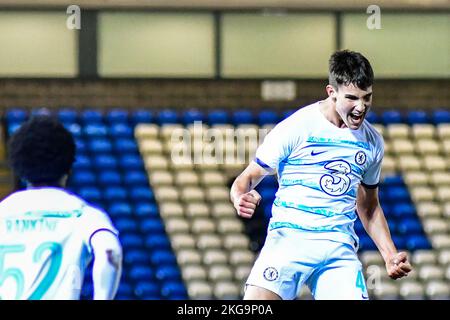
[398, 266]
[245, 204]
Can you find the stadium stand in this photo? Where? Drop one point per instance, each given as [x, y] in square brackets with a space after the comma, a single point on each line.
[164, 180]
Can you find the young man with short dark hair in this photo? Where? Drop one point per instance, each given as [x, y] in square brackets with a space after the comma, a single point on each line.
[328, 161]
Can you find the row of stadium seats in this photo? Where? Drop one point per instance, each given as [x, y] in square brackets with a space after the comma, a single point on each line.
[182, 236]
[220, 116]
[212, 250]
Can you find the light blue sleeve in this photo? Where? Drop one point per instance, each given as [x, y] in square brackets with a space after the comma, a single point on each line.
[371, 178]
[93, 221]
[277, 145]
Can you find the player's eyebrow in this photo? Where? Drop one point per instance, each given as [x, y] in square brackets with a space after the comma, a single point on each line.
[353, 97]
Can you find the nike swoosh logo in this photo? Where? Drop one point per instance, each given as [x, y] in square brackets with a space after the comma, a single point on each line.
[364, 297]
[316, 153]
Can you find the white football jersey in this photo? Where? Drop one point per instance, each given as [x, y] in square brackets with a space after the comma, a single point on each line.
[45, 243]
[320, 167]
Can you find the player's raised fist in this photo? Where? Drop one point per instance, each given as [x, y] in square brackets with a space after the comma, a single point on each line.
[398, 265]
[246, 203]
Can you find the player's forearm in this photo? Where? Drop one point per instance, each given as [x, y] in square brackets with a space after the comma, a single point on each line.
[106, 274]
[241, 185]
[376, 226]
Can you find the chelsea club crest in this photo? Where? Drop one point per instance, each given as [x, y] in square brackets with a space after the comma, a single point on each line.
[360, 157]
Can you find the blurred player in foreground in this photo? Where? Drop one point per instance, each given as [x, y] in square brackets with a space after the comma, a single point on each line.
[328, 161]
[47, 235]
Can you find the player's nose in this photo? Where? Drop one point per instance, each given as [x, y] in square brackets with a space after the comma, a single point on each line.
[360, 107]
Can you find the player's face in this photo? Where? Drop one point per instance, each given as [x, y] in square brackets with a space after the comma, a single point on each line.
[352, 104]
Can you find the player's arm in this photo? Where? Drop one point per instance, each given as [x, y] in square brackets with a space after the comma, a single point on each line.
[242, 193]
[107, 266]
[374, 221]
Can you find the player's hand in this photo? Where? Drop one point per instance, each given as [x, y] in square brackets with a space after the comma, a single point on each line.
[398, 266]
[245, 205]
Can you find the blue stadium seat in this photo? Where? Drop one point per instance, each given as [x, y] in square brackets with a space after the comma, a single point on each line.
[391, 116]
[73, 128]
[131, 241]
[117, 116]
[109, 178]
[81, 146]
[218, 117]
[159, 257]
[12, 127]
[104, 162]
[157, 241]
[396, 194]
[141, 116]
[99, 145]
[131, 162]
[399, 241]
[91, 117]
[125, 291]
[124, 146]
[120, 209]
[392, 223]
[115, 194]
[135, 178]
[372, 117]
[165, 273]
[167, 116]
[441, 116]
[95, 130]
[90, 194]
[136, 256]
[174, 290]
[120, 130]
[82, 162]
[16, 115]
[409, 226]
[417, 117]
[126, 225]
[190, 116]
[359, 228]
[396, 180]
[152, 226]
[387, 208]
[242, 117]
[146, 209]
[141, 194]
[267, 117]
[142, 273]
[366, 243]
[147, 290]
[67, 115]
[403, 210]
[83, 178]
[417, 242]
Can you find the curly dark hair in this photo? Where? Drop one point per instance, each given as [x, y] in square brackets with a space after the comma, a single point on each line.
[41, 151]
[349, 67]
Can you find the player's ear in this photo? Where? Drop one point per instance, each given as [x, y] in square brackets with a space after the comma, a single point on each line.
[331, 91]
